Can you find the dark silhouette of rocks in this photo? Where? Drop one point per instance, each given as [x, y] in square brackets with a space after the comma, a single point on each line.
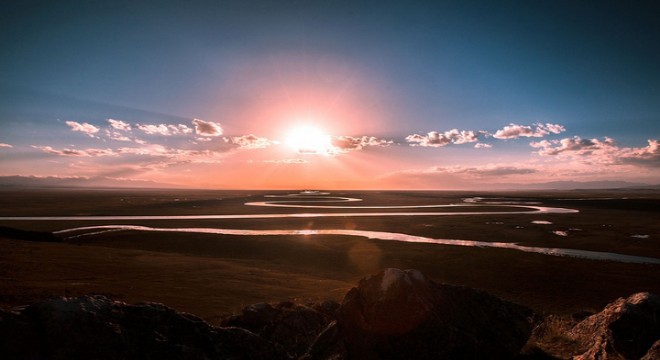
[654, 352]
[392, 315]
[404, 315]
[625, 329]
[292, 326]
[95, 327]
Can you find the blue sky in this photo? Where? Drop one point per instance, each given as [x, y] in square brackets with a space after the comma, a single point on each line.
[577, 84]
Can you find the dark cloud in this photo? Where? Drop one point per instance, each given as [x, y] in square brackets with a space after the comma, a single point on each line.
[207, 128]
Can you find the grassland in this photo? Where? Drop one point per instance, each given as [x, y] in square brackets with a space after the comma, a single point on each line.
[212, 275]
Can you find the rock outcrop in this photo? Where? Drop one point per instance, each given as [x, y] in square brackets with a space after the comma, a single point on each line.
[654, 352]
[95, 327]
[294, 327]
[404, 315]
[392, 315]
[625, 329]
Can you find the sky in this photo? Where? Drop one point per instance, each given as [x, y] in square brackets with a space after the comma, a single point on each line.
[330, 94]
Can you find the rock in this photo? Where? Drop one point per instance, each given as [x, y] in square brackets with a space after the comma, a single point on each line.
[625, 329]
[654, 352]
[292, 326]
[404, 315]
[94, 327]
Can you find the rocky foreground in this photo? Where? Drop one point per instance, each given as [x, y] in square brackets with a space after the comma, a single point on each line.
[392, 315]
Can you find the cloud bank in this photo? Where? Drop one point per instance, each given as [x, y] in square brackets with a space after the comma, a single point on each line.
[605, 151]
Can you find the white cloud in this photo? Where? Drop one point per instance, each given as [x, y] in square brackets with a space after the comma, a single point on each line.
[116, 135]
[75, 152]
[438, 139]
[488, 170]
[554, 128]
[251, 142]
[350, 143]
[86, 128]
[207, 128]
[165, 130]
[184, 129]
[514, 131]
[482, 146]
[119, 125]
[148, 150]
[287, 161]
[173, 156]
[605, 151]
[3, 145]
[575, 145]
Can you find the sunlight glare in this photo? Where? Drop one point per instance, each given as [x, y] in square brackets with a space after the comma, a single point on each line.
[308, 139]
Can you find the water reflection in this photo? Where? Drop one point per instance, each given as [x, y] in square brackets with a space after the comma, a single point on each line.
[378, 235]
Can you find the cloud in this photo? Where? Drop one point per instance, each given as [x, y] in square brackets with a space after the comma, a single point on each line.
[287, 161]
[514, 131]
[3, 145]
[119, 125]
[75, 152]
[147, 150]
[575, 145]
[350, 143]
[488, 171]
[116, 135]
[207, 128]
[174, 156]
[165, 130]
[482, 146]
[86, 128]
[462, 177]
[648, 155]
[438, 139]
[151, 150]
[251, 142]
[605, 151]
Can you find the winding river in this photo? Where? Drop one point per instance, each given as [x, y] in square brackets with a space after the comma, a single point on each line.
[295, 200]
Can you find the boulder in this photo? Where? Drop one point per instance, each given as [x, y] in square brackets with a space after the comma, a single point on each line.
[654, 352]
[625, 329]
[400, 314]
[294, 327]
[95, 327]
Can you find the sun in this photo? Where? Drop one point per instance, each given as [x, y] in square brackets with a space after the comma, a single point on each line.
[307, 139]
